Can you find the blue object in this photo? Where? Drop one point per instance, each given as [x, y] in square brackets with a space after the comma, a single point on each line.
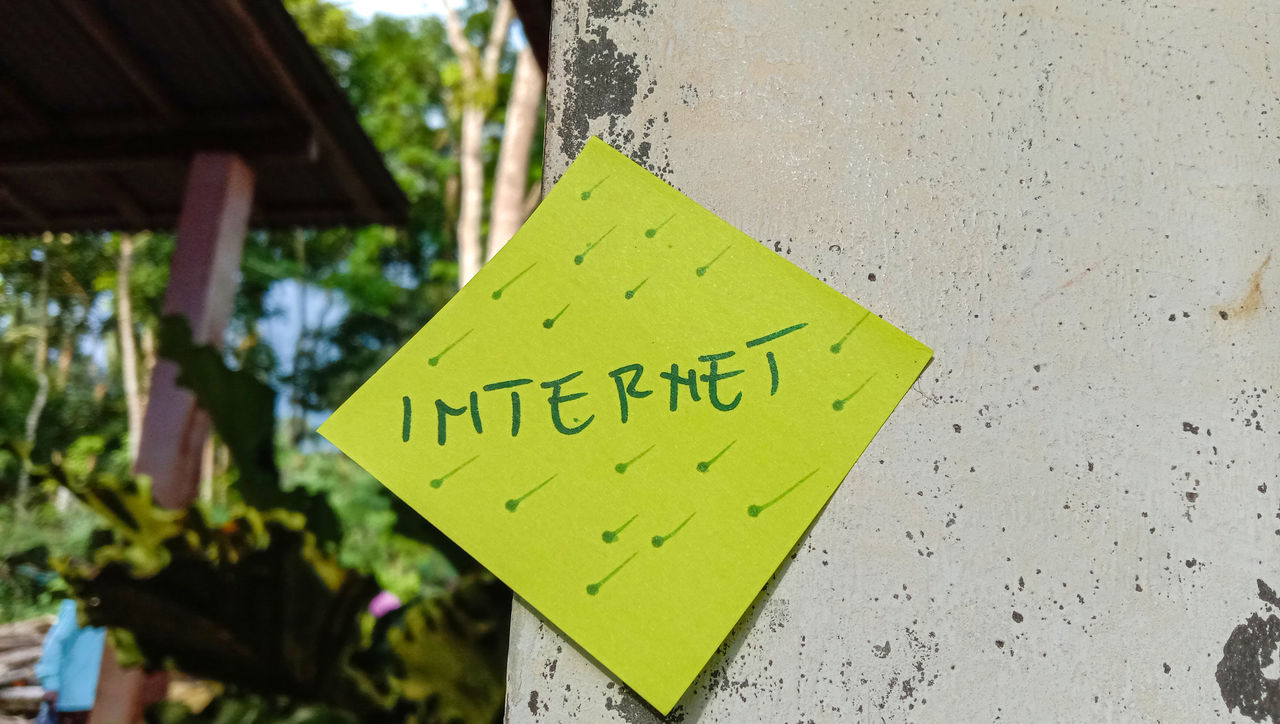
[70, 660]
[46, 715]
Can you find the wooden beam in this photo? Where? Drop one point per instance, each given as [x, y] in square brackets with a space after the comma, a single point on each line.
[535, 18]
[124, 202]
[202, 283]
[262, 50]
[117, 152]
[268, 119]
[100, 221]
[121, 54]
[30, 111]
[39, 120]
[29, 210]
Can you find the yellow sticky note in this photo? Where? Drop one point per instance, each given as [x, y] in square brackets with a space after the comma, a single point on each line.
[630, 416]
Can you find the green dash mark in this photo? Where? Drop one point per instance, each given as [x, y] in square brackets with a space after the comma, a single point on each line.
[622, 467]
[408, 414]
[838, 405]
[497, 293]
[703, 269]
[650, 233]
[610, 536]
[705, 465]
[515, 502]
[581, 257]
[587, 194]
[658, 540]
[632, 292]
[437, 482]
[436, 360]
[774, 335]
[755, 510]
[835, 348]
[594, 588]
[549, 323]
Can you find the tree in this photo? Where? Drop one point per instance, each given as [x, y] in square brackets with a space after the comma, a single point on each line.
[513, 195]
[128, 347]
[475, 97]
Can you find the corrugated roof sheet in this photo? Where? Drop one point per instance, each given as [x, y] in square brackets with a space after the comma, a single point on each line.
[103, 103]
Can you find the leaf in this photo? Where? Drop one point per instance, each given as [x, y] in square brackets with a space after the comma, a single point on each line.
[242, 410]
[253, 603]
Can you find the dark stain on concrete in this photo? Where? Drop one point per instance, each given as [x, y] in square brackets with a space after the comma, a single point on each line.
[1193, 429]
[533, 702]
[1249, 650]
[615, 9]
[605, 83]
[1267, 594]
[635, 710]
[912, 673]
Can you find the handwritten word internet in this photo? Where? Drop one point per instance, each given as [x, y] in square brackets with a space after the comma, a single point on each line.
[626, 379]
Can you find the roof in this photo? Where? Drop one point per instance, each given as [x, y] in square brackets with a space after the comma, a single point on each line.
[103, 103]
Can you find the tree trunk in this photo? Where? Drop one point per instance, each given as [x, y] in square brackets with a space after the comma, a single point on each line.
[128, 348]
[295, 426]
[471, 209]
[42, 376]
[147, 342]
[508, 211]
[66, 351]
[479, 76]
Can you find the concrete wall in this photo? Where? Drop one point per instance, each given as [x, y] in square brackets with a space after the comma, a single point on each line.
[1075, 514]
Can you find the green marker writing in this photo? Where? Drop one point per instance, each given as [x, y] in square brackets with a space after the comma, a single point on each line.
[835, 348]
[650, 233]
[404, 426]
[610, 536]
[703, 269]
[587, 194]
[549, 323]
[437, 482]
[658, 540]
[622, 467]
[755, 510]
[838, 405]
[594, 588]
[705, 465]
[581, 257]
[497, 293]
[514, 503]
[632, 292]
[436, 359]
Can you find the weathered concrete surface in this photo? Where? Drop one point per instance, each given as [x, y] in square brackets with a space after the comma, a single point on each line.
[1076, 513]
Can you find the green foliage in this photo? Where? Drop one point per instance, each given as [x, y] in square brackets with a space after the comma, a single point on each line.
[256, 604]
[79, 398]
[28, 586]
[250, 709]
[252, 603]
[400, 661]
[405, 566]
[242, 410]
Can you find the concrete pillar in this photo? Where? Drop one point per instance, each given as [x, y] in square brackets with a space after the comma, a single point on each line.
[202, 283]
[1074, 512]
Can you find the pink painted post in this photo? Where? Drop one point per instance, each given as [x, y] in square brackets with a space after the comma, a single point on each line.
[202, 282]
